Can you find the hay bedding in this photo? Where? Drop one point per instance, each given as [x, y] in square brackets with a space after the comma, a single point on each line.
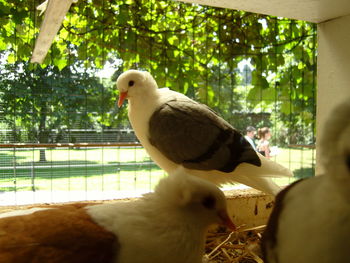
[241, 246]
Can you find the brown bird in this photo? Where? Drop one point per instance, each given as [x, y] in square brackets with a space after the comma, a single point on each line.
[166, 226]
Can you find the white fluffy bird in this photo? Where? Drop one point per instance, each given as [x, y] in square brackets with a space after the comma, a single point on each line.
[177, 131]
[166, 226]
[311, 219]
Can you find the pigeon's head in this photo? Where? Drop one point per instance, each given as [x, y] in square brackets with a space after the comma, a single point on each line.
[195, 198]
[335, 142]
[134, 83]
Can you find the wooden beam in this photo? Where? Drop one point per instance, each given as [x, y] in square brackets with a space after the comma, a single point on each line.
[70, 145]
[55, 12]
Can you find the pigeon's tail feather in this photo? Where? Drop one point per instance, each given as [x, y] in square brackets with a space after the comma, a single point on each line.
[268, 168]
[257, 177]
[265, 185]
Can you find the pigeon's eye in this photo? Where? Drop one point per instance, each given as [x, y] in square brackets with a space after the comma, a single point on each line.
[131, 83]
[209, 202]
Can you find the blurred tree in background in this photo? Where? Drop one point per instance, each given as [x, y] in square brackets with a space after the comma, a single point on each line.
[41, 100]
[193, 49]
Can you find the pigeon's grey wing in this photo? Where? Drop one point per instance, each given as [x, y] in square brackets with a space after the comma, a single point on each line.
[191, 134]
[269, 240]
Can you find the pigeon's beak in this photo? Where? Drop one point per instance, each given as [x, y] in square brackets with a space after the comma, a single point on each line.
[122, 97]
[226, 220]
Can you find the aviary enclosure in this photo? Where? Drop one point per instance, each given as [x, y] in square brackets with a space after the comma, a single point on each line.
[62, 136]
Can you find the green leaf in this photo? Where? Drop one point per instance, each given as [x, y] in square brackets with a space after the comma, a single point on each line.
[11, 58]
[286, 107]
[60, 63]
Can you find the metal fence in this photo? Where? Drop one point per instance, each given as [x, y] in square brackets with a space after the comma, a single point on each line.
[62, 136]
[95, 171]
[74, 172]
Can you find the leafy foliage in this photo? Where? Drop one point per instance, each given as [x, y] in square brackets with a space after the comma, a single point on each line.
[42, 99]
[189, 48]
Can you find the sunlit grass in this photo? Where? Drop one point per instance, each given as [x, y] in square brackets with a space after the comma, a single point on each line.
[107, 169]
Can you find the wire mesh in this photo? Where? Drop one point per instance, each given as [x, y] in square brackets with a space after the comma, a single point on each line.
[63, 138]
[75, 173]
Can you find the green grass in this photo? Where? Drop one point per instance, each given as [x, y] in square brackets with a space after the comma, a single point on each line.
[107, 169]
[300, 161]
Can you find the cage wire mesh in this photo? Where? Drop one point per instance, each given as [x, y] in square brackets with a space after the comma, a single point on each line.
[62, 136]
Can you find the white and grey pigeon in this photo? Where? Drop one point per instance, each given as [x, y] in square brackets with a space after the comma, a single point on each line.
[177, 131]
[310, 222]
[166, 226]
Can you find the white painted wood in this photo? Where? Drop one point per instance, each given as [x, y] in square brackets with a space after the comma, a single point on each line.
[54, 15]
[23, 212]
[333, 65]
[309, 10]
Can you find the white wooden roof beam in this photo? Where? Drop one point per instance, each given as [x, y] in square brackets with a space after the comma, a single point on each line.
[55, 12]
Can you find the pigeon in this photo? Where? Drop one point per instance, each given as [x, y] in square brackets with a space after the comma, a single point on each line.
[177, 131]
[310, 222]
[165, 226]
